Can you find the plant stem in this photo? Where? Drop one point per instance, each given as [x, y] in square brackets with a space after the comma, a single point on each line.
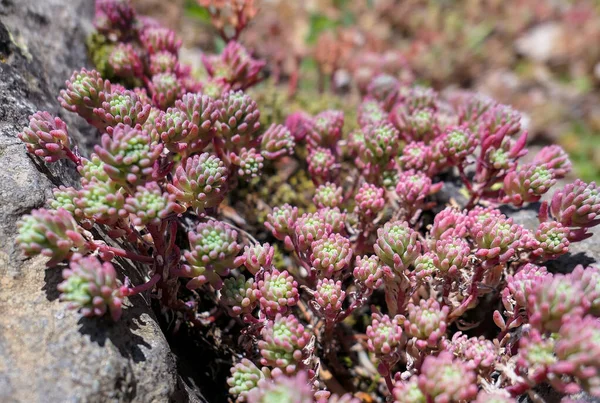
[143, 287]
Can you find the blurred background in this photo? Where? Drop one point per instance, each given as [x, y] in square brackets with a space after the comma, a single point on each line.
[540, 56]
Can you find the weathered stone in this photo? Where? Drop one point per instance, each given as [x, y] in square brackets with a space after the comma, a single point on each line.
[47, 353]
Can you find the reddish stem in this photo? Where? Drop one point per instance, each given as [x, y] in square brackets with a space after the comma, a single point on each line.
[143, 287]
[122, 253]
[72, 156]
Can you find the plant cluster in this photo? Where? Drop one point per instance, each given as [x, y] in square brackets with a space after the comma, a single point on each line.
[433, 300]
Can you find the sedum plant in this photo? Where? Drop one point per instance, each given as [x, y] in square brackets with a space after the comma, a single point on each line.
[363, 277]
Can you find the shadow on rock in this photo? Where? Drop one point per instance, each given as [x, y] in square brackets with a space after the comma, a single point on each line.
[567, 262]
[121, 334]
[52, 278]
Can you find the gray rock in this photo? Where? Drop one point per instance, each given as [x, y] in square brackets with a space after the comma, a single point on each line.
[47, 353]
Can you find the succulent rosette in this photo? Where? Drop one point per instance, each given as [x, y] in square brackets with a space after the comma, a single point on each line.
[426, 323]
[256, 256]
[129, 155]
[245, 377]
[46, 137]
[451, 255]
[553, 240]
[577, 205]
[384, 88]
[82, 93]
[92, 287]
[369, 272]
[102, 202]
[120, 107]
[449, 223]
[293, 389]
[554, 158]
[589, 279]
[278, 291]
[333, 217]
[165, 89]
[199, 183]
[326, 129]
[528, 183]
[536, 355]
[149, 205]
[370, 200]
[445, 379]
[309, 228]
[239, 118]
[125, 62]
[498, 239]
[371, 112]
[328, 195]
[397, 245]
[384, 335]
[416, 156]
[157, 39]
[520, 285]
[381, 144]
[478, 352]
[239, 295]
[276, 142]
[329, 296]
[281, 221]
[51, 233]
[331, 254]
[320, 164]
[213, 249]
[578, 352]
[282, 344]
[553, 299]
[457, 144]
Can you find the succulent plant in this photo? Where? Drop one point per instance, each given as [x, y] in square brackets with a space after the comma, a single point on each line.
[577, 205]
[83, 91]
[46, 137]
[309, 228]
[51, 233]
[213, 249]
[249, 163]
[256, 256]
[120, 107]
[293, 389]
[370, 201]
[320, 164]
[426, 323]
[239, 295]
[330, 254]
[150, 205]
[578, 352]
[165, 89]
[384, 334]
[125, 62]
[239, 118]
[245, 378]
[283, 340]
[278, 292]
[445, 379]
[92, 287]
[329, 296]
[158, 39]
[326, 129]
[397, 245]
[408, 392]
[553, 299]
[371, 112]
[129, 155]
[553, 239]
[200, 182]
[276, 142]
[528, 183]
[328, 195]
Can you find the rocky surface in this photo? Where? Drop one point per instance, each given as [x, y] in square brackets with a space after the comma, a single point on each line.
[50, 354]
